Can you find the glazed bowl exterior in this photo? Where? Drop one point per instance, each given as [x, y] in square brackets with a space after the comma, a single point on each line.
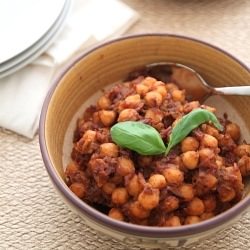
[112, 61]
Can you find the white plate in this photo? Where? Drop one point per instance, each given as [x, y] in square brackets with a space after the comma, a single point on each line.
[44, 39]
[24, 22]
[38, 48]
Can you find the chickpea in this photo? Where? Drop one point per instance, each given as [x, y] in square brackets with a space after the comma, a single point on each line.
[190, 159]
[125, 166]
[209, 203]
[209, 181]
[189, 144]
[116, 214]
[89, 135]
[170, 203]
[243, 149]
[157, 84]
[107, 117]
[219, 161]
[109, 149]
[128, 115]
[154, 114]
[138, 211]
[195, 207]
[119, 196]
[178, 95]
[244, 165]
[206, 216]
[149, 81]
[84, 145]
[192, 220]
[133, 101]
[141, 89]
[188, 107]
[157, 181]
[108, 187]
[162, 90]
[171, 86]
[173, 221]
[78, 189]
[72, 168]
[209, 141]
[233, 130]
[226, 142]
[210, 130]
[226, 193]
[205, 154]
[134, 187]
[153, 99]
[173, 176]
[149, 197]
[235, 171]
[104, 102]
[186, 191]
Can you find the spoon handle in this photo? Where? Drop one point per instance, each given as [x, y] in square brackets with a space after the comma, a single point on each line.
[239, 90]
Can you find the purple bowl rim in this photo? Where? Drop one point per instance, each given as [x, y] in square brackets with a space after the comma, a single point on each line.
[104, 220]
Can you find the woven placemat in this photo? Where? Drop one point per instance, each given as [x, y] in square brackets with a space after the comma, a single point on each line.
[32, 216]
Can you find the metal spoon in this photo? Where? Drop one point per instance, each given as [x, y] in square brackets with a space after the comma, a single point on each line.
[188, 79]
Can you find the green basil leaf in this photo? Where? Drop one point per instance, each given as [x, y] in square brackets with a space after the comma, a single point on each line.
[189, 122]
[139, 137]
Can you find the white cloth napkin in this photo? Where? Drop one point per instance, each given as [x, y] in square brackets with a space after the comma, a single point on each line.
[22, 94]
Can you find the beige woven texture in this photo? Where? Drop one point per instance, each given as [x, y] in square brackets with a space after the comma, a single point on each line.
[32, 216]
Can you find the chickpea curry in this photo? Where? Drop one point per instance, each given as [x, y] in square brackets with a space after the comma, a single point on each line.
[199, 177]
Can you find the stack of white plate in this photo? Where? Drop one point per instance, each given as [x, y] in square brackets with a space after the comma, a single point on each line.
[27, 28]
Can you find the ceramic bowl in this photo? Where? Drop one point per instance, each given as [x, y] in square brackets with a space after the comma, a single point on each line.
[107, 63]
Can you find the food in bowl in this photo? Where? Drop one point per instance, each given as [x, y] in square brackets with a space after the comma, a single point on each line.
[199, 178]
[78, 85]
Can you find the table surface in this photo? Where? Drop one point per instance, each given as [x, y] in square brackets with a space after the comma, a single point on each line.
[32, 216]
